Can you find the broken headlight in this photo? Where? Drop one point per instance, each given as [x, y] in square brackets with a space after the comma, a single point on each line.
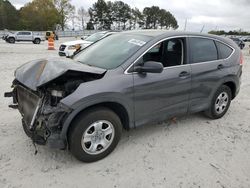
[56, 93]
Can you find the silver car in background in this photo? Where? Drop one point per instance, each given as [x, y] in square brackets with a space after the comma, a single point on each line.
[69, 48]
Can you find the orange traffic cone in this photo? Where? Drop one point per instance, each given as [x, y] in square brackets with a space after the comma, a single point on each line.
[51, 45]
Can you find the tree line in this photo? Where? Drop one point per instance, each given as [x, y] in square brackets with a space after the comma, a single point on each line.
[35, 15]
[104, 15]
[57, 14]
[222, 32]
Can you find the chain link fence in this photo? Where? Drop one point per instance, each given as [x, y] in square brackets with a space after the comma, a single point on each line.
[59, 33]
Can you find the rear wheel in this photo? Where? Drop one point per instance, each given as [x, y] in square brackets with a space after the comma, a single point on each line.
[220, 103]
[94, 134]
[37, 41]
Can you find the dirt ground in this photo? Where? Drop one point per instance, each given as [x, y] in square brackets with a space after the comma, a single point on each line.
[192, 152]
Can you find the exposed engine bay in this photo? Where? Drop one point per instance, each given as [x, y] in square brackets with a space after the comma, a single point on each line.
[41, 110]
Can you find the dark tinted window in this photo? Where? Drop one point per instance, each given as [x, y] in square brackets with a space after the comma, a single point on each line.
[26, 33]
[203, 50]
[23, 33]
[224, 50]
[169, 53]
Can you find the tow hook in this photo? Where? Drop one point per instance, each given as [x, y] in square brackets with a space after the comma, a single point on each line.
[11, 94]
[14, 106]
[8, 94]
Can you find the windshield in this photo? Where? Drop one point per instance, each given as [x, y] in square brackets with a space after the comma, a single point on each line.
[95, 37]
[112, 51]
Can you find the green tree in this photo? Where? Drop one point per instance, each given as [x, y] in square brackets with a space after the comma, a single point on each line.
[151, 15]
[104, 14]
[154, 17]
[65, 10]
[167, 20]
[39, 15]
[136, 18]
[9, 16]
[90, 26]
[100, 14]
[121, 13]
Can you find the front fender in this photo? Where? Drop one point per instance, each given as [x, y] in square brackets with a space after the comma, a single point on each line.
[95, 100]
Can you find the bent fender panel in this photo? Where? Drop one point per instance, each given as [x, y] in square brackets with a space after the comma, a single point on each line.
[88, 103]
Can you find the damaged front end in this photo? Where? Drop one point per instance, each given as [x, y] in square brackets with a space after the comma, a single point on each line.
[42, 113]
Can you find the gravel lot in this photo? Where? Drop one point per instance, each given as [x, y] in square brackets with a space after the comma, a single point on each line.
[194, 151]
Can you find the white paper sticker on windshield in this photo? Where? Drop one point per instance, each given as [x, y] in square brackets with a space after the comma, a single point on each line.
[137, 42]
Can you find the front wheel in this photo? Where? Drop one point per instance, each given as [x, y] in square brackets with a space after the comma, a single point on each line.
[12, 40]
[94, 134]
[220, 103]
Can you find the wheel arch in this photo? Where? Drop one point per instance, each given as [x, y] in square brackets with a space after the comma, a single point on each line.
[116, 107]
[232, 87]
[11, 37]
[37, 38]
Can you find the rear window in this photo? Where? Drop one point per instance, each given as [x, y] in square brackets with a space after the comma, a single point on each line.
[203, 50]
[224, 50]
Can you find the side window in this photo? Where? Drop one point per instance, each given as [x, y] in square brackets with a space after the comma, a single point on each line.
[26, 33]
[169, 53]
[203, 50]
[224, 50]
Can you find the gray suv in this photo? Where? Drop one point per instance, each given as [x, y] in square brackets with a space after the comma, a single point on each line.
[122, 82]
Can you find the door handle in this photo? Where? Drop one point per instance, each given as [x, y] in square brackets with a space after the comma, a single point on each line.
[184, 74]
[220, 66]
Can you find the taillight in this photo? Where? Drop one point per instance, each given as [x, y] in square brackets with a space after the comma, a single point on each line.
[241, 59]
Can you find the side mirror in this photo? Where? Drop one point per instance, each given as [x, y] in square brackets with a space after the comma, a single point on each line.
[149, 67]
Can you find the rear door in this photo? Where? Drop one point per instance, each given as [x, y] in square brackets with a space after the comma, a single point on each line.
[27, 36]
[208, 70]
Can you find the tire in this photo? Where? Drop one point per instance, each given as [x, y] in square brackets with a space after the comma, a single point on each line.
[11, 40]
[37, 41]
[220, 103]
[94, 126]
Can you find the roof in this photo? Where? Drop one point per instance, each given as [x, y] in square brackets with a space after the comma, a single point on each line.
[158, 32]
[166, 33]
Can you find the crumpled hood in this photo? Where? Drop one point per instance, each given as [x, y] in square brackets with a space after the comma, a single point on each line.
[39, 72]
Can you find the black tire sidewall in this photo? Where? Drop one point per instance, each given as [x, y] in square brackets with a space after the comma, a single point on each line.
[226, 89]
[11, 40]
[82, 122]
[37, 41]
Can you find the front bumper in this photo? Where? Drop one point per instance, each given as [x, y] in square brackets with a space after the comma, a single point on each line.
[41, 122]
[61, 53]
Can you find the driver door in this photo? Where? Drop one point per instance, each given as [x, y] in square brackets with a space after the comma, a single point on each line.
[159, 96]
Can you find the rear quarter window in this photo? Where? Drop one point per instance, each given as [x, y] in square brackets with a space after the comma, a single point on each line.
[202, 50]
[224, 50]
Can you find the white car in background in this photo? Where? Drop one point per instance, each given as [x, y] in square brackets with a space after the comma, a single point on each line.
[68, 48]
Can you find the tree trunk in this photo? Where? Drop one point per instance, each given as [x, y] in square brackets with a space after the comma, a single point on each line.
[82, 24]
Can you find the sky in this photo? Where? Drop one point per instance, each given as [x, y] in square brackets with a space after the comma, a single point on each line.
[212, 14]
